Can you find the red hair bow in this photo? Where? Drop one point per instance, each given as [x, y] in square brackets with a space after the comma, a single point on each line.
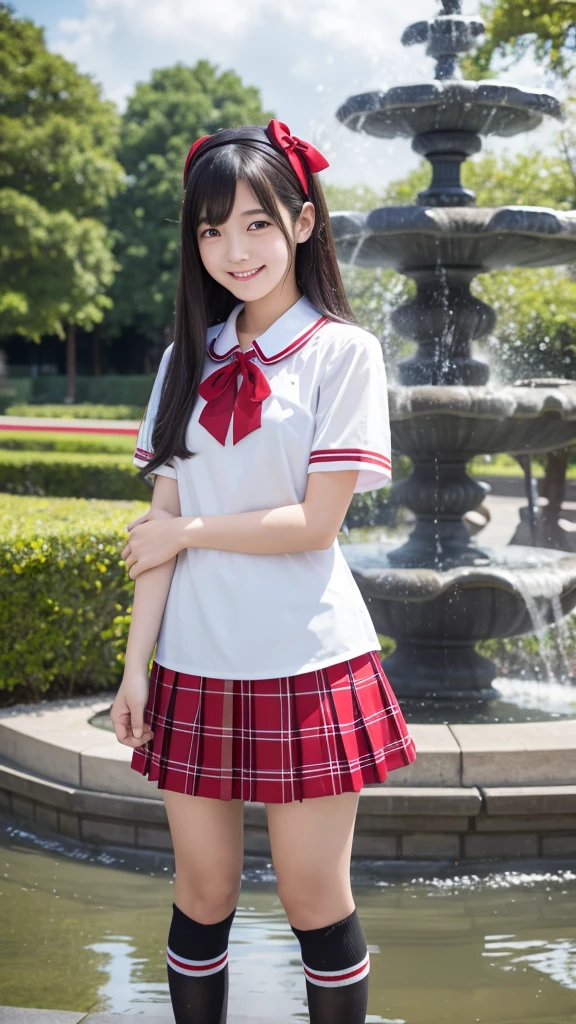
[191, 152]
[297, 150]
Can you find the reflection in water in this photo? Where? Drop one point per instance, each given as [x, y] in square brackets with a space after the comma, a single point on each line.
[555, 958]
[87, 931]
[121, 984]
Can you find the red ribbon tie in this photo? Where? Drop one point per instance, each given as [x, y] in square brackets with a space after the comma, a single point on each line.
[223, 400]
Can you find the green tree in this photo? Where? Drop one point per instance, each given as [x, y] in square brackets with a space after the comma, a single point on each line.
[57, 173]
[535, 334]
[547, 27]
[163, 118]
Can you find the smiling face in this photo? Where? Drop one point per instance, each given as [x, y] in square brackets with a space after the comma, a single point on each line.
[248, 253]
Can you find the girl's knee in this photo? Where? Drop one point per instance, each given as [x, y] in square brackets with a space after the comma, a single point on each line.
[315, 905]
[317, 915]
[206, 904]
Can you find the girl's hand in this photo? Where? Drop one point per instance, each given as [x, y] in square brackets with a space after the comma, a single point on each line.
[127, 711]
[152, 543]
[152, 513]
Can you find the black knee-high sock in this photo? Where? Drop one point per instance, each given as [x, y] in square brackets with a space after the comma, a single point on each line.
[336, 965]
[197, 964]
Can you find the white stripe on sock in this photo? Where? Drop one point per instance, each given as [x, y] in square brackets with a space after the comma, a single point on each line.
[335, 979]
[196, 968]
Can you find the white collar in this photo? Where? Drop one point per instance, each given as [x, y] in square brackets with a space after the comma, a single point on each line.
[285, 336]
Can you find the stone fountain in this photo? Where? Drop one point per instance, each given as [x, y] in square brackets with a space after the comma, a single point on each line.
[440, 592]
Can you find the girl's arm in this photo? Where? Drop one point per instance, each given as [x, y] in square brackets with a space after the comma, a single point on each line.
[309, 525]
[150, 595]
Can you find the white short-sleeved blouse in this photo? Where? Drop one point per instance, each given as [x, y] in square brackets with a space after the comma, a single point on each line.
[246, 616]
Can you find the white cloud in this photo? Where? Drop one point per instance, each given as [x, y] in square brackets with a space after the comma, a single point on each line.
[305, 56]
[329, 21]
[83, 35]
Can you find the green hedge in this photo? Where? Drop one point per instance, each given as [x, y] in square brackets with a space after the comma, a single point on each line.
[83, 411]
[62, 471]
[18, 389]
[65, 595]
[48, 441]
[132, 389]
[69, 474]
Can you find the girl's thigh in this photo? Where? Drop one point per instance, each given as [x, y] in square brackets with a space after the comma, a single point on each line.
[311, 845]
[208, 840]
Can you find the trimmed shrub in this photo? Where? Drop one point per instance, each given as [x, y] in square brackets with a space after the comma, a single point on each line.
[47, 441]
[65, 595]
[132, 388]
[70, 474]
[84, 411]
[66, 472]
[15, 389]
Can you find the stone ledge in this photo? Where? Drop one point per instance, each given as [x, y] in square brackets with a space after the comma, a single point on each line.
[56, 739]
[517, 823]
[416, 822]
[420, 800]
[529, 799]
[26, 1015]
[24, 783]
[523, 753]
[374, 801]
[510, 844]
[91, 793]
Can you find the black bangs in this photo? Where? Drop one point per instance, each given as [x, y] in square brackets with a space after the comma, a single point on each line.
[212, 184]
[213, 188]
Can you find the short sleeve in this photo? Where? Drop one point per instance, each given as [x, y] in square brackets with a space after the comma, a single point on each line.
[352, 421]
[144, 451]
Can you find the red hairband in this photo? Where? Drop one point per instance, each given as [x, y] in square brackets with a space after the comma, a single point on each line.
[297, 151]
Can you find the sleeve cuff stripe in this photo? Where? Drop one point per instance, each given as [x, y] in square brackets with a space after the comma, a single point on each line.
[141, 453]
[348, 451]
[350, 455]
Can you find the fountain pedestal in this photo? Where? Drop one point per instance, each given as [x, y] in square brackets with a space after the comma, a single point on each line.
[427, 666]
[439, 494]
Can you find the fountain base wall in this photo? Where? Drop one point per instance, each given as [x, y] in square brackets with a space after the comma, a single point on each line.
[475, 791]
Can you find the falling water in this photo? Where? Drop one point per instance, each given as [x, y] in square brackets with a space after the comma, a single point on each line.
[562, 637]
[361, 239]
[540, 625]
[438, 546]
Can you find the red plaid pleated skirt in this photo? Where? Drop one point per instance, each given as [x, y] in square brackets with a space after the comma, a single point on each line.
[317, 733]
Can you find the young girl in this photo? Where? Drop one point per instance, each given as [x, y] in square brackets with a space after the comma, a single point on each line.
[269, 411]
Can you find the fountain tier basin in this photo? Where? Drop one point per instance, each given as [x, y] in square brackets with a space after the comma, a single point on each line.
[485, 107]
[455, 423]
[407, 238]
[436, 615]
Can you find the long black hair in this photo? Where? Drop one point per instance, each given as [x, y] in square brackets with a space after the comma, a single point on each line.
[231, 154]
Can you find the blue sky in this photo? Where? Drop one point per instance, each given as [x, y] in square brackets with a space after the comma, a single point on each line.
[305, 56]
